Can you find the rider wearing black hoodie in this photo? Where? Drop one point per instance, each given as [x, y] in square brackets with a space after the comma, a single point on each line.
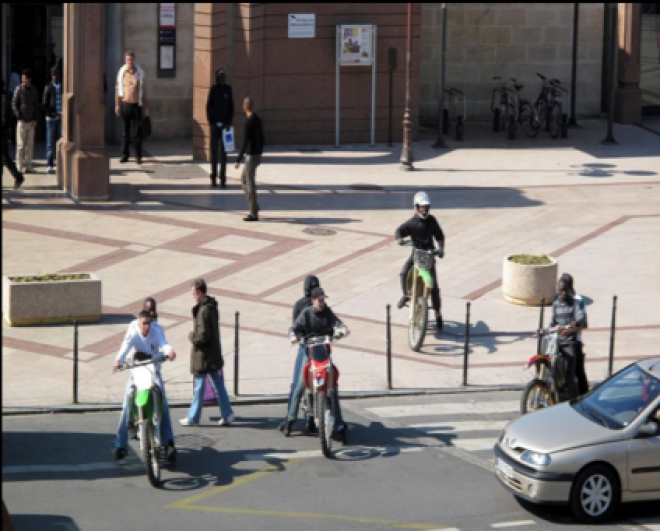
[220, 115]
[311, 282]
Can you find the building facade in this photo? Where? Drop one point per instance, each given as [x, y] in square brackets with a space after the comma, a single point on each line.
[293, 80]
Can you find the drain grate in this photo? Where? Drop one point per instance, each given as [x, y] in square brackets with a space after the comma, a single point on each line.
[319, 232]
[195, 442]
[366, 187]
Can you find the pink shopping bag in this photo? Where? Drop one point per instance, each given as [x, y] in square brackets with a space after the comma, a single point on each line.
[210, 398]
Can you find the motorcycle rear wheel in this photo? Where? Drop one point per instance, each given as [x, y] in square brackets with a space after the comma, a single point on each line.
[418, 325]
[150, 453]
[536, 395]
[324, 438]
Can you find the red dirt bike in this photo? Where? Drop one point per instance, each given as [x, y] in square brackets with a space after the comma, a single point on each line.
[321, 378]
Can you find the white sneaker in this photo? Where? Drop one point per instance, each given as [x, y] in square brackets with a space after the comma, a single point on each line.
[226, 421]
[187, 422]
[50, 169]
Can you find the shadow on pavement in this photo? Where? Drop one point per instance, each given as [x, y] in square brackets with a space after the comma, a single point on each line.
[481, 336]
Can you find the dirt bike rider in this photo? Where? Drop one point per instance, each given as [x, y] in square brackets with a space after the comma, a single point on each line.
[147, 339]
[319, 320]
[568, 317]
[298, 382]
[421, 228]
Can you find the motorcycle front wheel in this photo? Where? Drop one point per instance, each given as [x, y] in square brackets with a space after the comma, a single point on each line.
[150, 453]
[325, 436]
[536, 395]
[418, 324]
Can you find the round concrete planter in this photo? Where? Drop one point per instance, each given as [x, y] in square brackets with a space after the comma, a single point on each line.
[528, 284]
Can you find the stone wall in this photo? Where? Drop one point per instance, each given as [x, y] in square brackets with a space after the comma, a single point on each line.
[510, 40]
[169, 100]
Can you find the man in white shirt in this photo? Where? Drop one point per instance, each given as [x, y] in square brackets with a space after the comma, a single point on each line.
[148, 340]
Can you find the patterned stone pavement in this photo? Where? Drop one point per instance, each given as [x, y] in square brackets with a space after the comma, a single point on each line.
[595, 208]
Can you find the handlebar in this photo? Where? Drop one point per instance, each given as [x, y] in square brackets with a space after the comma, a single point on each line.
[435, 252]
[318, 340]
[152, 361]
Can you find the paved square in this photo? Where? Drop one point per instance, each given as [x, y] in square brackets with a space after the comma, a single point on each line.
[237, 245]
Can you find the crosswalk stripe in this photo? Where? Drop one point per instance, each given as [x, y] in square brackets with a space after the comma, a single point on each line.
[652, 524]
[445, 428]
[474, 445]
[452, 408]
[127, 464]
[518, 523]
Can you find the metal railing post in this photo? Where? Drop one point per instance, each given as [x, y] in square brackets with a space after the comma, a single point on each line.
[236, 355]
[75, 361]
[612, 334]
[389, 349]
[467, 344]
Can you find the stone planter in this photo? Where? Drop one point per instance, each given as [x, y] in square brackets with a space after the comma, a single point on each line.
[49, 302]
[528, 284]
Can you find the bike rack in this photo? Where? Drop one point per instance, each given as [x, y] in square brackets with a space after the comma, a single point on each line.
[456, 95]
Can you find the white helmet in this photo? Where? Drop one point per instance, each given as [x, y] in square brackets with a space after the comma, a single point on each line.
[422, 199]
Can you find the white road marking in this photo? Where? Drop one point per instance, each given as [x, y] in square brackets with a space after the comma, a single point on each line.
[347, 450]
[513, 524]
[87, 467]
[652, 524]
[456, 427]
[474, 445]
[452, 408]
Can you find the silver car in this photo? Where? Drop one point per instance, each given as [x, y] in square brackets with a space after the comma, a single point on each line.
[591, 453]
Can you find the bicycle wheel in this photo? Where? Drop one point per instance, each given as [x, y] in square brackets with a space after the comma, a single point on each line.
[528, 119]
[541, 113]
[418, 325]
[555, 120]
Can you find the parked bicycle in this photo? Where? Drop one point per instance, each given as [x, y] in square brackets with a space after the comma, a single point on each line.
[526, 115]
[548, 106]
[504, 109]
[455, 98]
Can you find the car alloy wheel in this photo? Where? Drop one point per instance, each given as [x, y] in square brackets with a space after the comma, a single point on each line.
[596, 495]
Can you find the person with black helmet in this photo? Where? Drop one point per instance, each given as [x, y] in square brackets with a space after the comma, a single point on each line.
[422, 228]
[220, 115]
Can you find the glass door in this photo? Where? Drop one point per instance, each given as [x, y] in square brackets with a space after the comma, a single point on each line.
[650, 58]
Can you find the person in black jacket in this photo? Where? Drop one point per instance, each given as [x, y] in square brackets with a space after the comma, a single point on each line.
[422, 229]
[298, 384]
[318, 320]
[253, 145]
[7, 126]
[220, 115]
[52, 104]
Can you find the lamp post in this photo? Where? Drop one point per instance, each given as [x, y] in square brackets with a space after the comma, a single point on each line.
[407, 154]
[609, 139]
[576, 20]
[439, 142]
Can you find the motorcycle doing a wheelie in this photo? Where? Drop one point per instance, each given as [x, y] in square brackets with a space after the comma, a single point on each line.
[147, 408]
[549, 385]
[321, 378]
[420, 284]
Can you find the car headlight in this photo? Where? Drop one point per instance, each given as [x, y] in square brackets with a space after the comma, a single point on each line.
[535, 458]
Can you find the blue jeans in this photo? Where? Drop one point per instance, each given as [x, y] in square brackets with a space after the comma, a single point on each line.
[218, 384]
[166, 433]
[53, 134]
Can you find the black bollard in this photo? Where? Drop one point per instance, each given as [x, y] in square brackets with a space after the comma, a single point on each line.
[75, 362]
[538, 343]
[467, 344]
[612, 333]
[389, 349]
[564, 126]
[496, 121]
[235, 356]
[459, 128]
[445, 121]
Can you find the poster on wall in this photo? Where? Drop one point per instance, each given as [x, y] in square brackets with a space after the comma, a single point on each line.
[166, 16]
[167, 57]
[356, 45]
[302, 26]
[166, 40]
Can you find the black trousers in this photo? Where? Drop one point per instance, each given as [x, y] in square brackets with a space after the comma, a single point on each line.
[583, 383]
[570, 352]
[7, 160]
[216, 138]
[435, 292]
[131, 114]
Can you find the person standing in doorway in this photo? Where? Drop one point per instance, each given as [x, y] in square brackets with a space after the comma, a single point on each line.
[14, 81]
[220, 115]
[6, 133]
[253, 146]
[206, 356]
[53, 110]
[131, 105]
[25, 105]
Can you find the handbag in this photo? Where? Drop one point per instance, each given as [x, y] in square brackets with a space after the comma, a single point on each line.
[210, 398]
[228, 139]
[145, 124]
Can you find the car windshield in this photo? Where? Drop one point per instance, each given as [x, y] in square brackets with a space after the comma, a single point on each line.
[620, 400]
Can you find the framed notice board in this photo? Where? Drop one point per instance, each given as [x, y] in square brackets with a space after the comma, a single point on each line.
[166, 48]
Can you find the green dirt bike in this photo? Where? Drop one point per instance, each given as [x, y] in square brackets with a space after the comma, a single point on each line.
[420, 283]
[147, 408]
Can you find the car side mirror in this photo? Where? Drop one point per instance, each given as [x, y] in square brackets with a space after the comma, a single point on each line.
[650, 429]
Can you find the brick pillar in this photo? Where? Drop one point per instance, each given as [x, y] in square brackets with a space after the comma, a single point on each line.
[83, 167]
[628, 109]
[211, 52]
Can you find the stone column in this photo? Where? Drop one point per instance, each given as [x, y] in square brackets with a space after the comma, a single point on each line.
[628, 109]
[212, 27]
[83, 167]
